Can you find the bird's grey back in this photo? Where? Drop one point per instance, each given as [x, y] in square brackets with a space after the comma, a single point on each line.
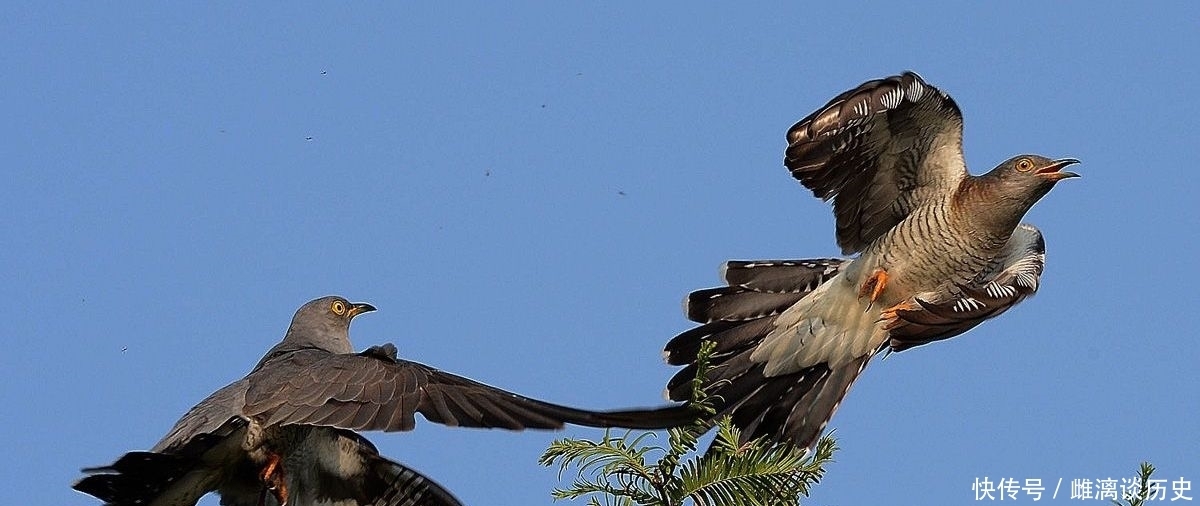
[313, 327]
[207, 416]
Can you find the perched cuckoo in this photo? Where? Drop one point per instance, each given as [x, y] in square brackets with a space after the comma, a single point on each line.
[284, 434]
[939, 251]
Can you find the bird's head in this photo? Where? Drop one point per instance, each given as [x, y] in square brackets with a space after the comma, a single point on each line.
[1016, 185]
[325, 323]
[1027, 178]
[1033, 174]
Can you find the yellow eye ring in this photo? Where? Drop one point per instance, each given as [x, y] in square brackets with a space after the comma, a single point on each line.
[338, 307]
[1024, 165]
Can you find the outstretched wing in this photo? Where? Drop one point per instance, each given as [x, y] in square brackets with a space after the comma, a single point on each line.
[374, 390]
[1011, 277]
[878, 151]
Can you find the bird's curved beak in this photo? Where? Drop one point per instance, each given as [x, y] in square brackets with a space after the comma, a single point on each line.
[1054, 172]
[360, 308]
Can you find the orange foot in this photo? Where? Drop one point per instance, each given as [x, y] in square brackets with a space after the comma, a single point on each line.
[874, 285]
[891, 314]
[273, 480]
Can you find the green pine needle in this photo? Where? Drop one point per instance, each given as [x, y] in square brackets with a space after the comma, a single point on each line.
[627, 470]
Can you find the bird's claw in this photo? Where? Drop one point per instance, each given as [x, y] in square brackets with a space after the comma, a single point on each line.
[273, 481]
[874, 285]
[891, 315]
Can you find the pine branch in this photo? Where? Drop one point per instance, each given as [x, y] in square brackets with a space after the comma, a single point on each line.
[757, 471]
[620, 471]
[1143, 493]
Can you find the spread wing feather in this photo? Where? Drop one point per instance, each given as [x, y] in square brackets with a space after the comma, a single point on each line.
[1011, 277]
[374, 390]
[877, 151]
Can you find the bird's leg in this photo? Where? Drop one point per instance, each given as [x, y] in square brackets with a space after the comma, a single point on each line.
[891, 314]
[279, 490]
[273, 479]
[874, 284]
[269, 470]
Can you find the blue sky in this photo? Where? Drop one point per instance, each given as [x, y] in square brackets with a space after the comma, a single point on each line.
[527, 192]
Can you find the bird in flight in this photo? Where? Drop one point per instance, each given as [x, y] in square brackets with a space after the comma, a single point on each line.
[286, 433]
[938, 252]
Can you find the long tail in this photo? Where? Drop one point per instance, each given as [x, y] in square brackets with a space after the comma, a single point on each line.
[362, 477]
[385, 482]
[137, 478]
[154, 478]
[405, 487]
[792, 407]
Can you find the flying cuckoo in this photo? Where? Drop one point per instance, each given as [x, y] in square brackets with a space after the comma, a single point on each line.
[939, 251]
[285, 433]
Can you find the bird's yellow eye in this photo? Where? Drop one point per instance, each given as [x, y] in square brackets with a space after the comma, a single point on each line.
[1024, 165]
[338, 307]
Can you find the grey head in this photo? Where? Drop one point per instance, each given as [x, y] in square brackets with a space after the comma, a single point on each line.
[1010, 189]
[323, 324]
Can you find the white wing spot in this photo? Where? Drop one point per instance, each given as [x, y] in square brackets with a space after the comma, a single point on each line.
[968, 304]
[1027, 279]
[892, 99]
[861, 108]
[997, 291]
[915, 90]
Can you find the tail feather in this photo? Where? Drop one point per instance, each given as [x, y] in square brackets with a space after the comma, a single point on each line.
[735, 303]
[730, 303]
[765, 411]
[780, 403]
[135, 478]
[816, 406]
[727, 377]
[156, 478]
[393, 484]
[781, 276]
[759, 288]
[793, 407]
[731, 337]
[736, 316]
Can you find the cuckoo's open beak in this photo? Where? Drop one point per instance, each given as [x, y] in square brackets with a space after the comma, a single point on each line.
[1054, 171]
[360, 308]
